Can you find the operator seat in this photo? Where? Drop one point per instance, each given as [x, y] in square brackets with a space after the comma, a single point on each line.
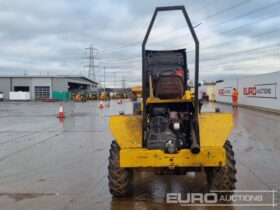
[169, 87]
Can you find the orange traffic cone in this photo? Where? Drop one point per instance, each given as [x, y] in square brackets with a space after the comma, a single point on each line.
[61, 112]
[101, 105]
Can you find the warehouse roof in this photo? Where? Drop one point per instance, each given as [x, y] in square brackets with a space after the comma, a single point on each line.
[49, 76]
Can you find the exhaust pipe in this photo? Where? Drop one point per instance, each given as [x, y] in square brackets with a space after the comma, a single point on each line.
[195, 148]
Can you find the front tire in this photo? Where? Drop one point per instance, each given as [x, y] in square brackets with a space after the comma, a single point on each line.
[120, 179]
[223, 178]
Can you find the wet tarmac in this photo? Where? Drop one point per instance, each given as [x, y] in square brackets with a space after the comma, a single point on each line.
[47, 164]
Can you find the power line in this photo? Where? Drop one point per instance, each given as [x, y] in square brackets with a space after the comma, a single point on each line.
[225, 10]
[130, 60]
[105, 51]
[253, 53]
[235, 55]
[205, 48]
[214, 25]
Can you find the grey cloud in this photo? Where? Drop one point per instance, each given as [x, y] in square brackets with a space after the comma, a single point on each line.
[41, 36]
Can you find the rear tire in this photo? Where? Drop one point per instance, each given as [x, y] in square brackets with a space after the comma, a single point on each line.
[223, 178]
[120, 179]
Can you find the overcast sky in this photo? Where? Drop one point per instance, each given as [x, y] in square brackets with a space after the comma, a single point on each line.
[237, 38]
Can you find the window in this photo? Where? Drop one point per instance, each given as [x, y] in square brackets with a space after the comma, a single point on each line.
[21, 88]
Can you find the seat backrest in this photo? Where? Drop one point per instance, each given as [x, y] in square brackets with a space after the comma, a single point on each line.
[169, 87]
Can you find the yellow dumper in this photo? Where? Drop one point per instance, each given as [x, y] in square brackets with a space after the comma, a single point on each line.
[169, 135]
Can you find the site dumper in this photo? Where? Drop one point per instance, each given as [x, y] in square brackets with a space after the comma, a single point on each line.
[170, 136]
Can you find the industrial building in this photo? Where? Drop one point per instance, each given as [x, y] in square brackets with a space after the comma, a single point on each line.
[40, 87]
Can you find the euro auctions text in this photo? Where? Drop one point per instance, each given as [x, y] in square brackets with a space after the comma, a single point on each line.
[224, 198]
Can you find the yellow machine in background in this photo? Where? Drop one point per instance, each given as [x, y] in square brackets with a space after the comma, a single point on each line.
[92, 96]
[137, 91]
[80, 97]
[169, 134]
[127, 95]
[103, 96]
[116, 95]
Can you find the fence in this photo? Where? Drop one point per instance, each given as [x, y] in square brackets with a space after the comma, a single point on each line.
[19, 96]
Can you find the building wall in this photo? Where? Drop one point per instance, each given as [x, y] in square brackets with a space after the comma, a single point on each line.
[60, 84]
[7, 84]
[210, 90]
[21, 82]
[5, 87]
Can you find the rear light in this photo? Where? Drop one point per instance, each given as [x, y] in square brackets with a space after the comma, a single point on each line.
[179, 72]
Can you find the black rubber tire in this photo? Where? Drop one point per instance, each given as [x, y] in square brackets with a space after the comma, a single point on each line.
[223, 178]
[120, 179]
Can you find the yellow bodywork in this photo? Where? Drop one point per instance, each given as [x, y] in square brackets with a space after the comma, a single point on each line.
[184, 158]
[127, 130]
[187, 97]
[214, 129]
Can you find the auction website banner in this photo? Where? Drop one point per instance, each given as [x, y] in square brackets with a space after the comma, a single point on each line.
[260, 91]
[224, 91]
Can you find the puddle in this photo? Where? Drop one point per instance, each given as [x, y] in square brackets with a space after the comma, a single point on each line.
[22, 196]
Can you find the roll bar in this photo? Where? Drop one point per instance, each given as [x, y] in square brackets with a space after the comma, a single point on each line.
[196, 101]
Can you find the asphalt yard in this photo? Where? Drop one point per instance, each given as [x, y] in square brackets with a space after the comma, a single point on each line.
[48, 164]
